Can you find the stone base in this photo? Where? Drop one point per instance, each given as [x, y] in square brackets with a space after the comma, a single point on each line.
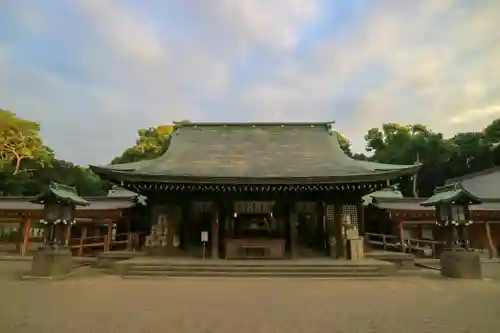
[460, 264]
[355, 248]
[51, 263]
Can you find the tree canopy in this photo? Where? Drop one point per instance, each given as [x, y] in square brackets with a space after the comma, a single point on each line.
[26, 164]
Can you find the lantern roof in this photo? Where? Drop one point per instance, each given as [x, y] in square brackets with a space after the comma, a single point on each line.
[449, 194]
[60, 193]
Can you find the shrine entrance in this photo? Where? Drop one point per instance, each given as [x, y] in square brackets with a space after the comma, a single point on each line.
[255, 230]
[311, 230]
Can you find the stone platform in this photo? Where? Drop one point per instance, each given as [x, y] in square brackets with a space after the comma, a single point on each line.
[403, 261]
[328, 268]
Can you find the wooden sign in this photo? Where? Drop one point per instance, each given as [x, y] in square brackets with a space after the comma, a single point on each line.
[253, 207]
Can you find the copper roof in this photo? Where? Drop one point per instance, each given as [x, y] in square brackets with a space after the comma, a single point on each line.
[254, 153]
[95, 204]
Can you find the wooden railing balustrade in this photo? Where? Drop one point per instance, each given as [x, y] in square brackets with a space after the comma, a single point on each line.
[428, 248]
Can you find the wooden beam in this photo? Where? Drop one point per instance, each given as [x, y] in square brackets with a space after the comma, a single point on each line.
[26, 237]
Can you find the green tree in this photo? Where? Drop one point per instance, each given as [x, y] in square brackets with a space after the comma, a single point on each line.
[27, 165]
[409, 144]
[152, 142]
[19, 141]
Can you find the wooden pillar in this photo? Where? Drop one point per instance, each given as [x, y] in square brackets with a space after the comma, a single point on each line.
[215, 233]
[185, 227]
[361, 218]
[320, 238]
[401, 235]
[107, 245]
[82, 240]
[68, 233]
[493, 253]
[338, 228]
[293, 221]
[26, 236]
[329, 222]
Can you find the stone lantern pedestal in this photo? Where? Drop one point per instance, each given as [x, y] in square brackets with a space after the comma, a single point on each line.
[458, 263]
[54, 260]
[451, 203]
[51, 262]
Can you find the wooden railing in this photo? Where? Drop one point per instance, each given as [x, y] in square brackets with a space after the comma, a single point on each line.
[425, 247]
[126, 241]
[385, 241]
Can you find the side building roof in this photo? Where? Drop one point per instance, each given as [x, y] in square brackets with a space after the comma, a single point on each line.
[414, 204]
[483, 184]
[94, 204]
[258, 153]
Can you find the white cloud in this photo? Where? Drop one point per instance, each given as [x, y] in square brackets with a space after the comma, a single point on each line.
[421, 61]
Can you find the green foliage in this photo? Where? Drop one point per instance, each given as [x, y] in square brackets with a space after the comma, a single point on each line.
[27, 165]
[152, 143]
[441, 158]
[19, 140]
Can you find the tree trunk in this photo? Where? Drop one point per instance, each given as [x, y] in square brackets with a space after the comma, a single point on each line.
[415, 176]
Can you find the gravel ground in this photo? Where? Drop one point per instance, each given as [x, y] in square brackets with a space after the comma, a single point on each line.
[100, 304]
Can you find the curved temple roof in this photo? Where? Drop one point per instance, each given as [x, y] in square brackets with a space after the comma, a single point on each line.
[254, 153]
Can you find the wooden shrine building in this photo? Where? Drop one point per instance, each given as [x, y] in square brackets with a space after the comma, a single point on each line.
[407, 222]
[100, 226]
[253, 190]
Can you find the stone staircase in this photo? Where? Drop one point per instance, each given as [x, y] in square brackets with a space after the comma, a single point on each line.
[227, 268]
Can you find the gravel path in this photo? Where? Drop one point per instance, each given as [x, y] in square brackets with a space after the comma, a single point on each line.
[101, 304]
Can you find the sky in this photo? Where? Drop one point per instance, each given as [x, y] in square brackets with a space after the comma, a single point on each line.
[92, 72]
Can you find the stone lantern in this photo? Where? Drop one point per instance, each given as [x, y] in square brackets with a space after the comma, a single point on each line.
[452, 214]
[54, 258]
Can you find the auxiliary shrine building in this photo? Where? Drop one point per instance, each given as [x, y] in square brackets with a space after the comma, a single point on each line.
[253, 190]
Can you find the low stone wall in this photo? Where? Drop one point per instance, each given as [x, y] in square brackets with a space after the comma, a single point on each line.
[106, 260]
[491, 268]
[403, 261]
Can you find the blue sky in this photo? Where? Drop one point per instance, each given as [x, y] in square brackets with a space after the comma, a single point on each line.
[92, 72]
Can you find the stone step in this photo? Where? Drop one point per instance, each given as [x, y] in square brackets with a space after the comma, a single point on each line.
[332, 274]
[170, 268]
[244, 265]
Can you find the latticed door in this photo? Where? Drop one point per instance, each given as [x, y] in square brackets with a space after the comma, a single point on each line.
[352, 212]
[330, 212]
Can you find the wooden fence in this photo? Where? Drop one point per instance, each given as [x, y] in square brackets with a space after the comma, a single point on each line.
[423, 247]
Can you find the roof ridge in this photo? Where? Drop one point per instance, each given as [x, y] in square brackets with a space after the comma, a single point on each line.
[253, 124]
[473, 175]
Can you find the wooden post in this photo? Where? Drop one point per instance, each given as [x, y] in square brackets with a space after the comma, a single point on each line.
[493, 253]
[293, 233]
[401, 235]
[82, 240]
[215, 234]
[68, 233]
[129, 241]
[107, 244]
[361, 218]
[26, 238]
[329, 225]
[338, 230]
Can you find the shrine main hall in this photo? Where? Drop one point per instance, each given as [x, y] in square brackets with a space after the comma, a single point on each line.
[253, 190]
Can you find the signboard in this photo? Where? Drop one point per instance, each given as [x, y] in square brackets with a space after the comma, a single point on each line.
[204, 236]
